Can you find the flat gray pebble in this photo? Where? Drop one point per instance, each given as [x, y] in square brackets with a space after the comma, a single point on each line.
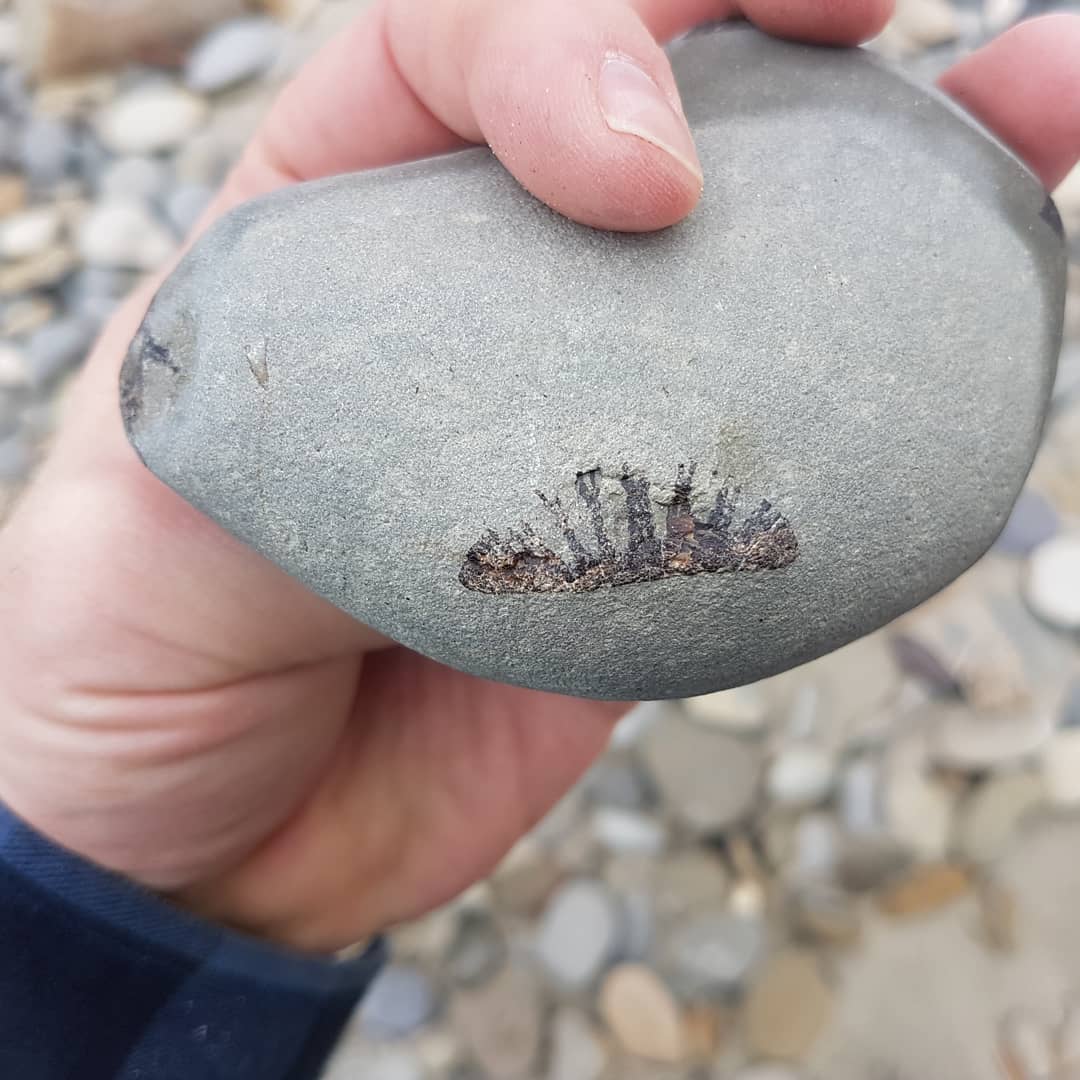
[400, 1000]
[185, 206]
[57, 348]
[232, 53]
[46, 150]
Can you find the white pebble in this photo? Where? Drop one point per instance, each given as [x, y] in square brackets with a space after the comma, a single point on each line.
[628, 832]
[13, 367]
[125, 235]
[1052, 587]
[29, 233]
[232, 53]
[1061, 768]
[800, 775]
[150, 118]
[919, 811]
[136, 177]
[9, 37]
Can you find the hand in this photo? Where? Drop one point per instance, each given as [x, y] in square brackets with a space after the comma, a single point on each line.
[176, 708]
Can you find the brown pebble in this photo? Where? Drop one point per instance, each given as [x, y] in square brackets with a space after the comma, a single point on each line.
[12, 193]
[643, 1014]
[926, 888]
[825, 915]
[787, 1008]
[704, 1027]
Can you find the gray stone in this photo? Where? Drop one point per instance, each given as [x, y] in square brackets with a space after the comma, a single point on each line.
[232, 53]
[502, 1022]
[578, 934]
[186, 204]
[57, 348]
[399, 1001]
[628, 831]
[1032, 522]
[620, 782]
[478, 950]
[713, 954]
[139, 178]
[577, 1053]
[46, 149]
[708, 777]
[749, 377]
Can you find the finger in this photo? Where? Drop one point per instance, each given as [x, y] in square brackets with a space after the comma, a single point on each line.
[828, 22]
[415, 79]
[1025, 87]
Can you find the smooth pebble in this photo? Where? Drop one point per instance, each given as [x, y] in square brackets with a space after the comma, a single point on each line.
[29, 233]
[801, 774]
[788, 1006]
[1052, 583]
[136, 178]
[643, 1014]
[400, 1000]
[708, 777]
[577, 1052]
[147, 119]
[578, 933]
[232, 53]
[714, 953]
[628, 831]
[123, 234]
[58, 347]
[502, 1022]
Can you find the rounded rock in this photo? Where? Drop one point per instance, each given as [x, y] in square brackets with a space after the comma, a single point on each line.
[708, 778]
[788, 1007]
[800, 775]
[136, 178]
[29, 233]
[578, 934]
[186, 204]
[628, 832]
[502, 1023]
[1052, 585]
[700, 435]
[123, 234]
[232, 53]
[399, 1001]
[1060, 762]
[713, 954]
[643, 1014]
[577, 1053]
[14, 369]
[46, 150]
[57, 348]
[148, 119]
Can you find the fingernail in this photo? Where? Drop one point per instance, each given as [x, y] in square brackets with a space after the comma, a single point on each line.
[634, 105]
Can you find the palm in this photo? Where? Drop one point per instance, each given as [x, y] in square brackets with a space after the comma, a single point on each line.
[432, 775]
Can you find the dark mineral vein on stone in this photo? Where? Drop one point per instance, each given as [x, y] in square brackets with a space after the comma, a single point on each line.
[520, 562]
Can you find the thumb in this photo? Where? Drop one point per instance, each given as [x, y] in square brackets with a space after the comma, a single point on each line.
[577, 100]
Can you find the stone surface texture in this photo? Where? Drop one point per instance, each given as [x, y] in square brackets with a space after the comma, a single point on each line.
[369, 429]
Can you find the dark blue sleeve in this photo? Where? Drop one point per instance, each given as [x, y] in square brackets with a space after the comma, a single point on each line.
[100, 980]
